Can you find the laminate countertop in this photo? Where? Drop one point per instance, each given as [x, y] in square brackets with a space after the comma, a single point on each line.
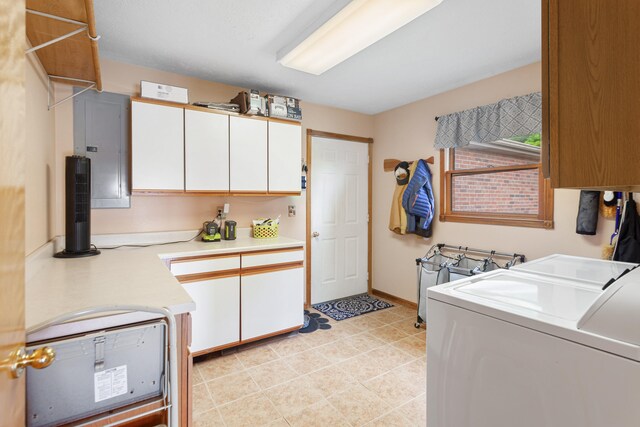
[123, 276]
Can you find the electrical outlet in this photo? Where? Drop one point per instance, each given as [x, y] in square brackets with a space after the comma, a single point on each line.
[221, 212]
[292, 210]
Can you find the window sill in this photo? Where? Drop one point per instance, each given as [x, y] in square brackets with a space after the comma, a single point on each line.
[492, 220]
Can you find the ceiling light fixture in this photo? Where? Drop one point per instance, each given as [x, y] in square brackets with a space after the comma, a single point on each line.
[347, 31]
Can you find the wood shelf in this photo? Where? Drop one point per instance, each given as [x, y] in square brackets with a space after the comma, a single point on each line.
[390, 164]
[74, 57]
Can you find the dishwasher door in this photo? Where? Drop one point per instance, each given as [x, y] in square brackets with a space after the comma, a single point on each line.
[98, 372]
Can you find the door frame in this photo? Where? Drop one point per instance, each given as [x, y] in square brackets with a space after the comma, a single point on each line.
[349, 138]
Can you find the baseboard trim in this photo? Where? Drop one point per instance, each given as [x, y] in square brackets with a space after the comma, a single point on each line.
[395, 299]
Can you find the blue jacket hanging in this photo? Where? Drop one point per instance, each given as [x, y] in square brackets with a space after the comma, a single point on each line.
[418, 202]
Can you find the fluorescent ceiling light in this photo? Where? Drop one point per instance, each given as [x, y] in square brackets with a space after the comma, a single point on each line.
[353, 28]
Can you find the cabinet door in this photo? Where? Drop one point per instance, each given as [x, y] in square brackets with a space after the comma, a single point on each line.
[157, 147]
[206, 139]
[247, 155]
[591, 92]
[285, 154]
[216, 321]
[271, 302]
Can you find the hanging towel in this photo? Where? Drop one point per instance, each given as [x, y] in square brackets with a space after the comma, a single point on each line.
[398, 216]
[628, 246]
[418, 200]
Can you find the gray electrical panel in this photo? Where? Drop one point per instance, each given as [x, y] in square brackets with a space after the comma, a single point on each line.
[101, 131]
[98, 372]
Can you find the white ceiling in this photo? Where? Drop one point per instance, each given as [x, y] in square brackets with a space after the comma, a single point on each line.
[235, 42]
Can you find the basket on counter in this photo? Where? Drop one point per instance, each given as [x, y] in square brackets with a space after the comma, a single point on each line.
[266, 231]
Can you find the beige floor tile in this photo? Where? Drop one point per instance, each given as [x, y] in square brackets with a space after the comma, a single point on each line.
[392, 419]
[338, 351]
[256, 356]
[210, 418]
[290, 345]
[416, 410]
[404, 312]
[332, 379]
[389, 334]
[318, 338]
[396, 387]
[201, 399]
[272, 373]
[362, 368]
[307, 361]
[320, 414]
[408, 326]
[387, 316]
[251, 411]
[365, 322]
[278, 423]
[358, 405]
[231, 387]
[389, 357]
[411, 345]
[293, 396]
[364, 341]
[216, 367]
[416, 369]
[196, 377]
[422, 335]
[343, 329]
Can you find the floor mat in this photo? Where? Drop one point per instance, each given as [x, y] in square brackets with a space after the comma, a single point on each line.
[313, 322]
[356, 305]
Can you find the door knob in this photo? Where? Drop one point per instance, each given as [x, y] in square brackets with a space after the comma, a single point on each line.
[20, 359]
[315, 234]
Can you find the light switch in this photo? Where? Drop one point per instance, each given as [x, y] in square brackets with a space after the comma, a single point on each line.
[292, 210]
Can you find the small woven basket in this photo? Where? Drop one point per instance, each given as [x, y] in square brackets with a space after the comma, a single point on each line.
[265, 231]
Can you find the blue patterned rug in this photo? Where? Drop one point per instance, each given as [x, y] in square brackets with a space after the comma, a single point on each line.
[356, 305]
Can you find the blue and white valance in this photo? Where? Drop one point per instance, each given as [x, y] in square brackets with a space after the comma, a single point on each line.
[517, 116]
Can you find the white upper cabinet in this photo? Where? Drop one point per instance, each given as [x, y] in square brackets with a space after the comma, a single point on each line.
[157, 152]
[285, 153]
[247, 155]
[206, 139]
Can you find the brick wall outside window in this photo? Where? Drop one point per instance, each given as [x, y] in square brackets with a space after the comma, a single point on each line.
[501, 192]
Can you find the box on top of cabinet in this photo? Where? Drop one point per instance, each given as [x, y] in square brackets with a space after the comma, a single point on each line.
[284, 107]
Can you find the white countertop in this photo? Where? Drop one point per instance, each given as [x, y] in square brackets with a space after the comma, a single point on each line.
[124, 276]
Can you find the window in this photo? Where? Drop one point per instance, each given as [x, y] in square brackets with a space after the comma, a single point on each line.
[496, 183]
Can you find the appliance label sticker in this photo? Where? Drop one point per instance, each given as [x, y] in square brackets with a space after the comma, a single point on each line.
[110, 383]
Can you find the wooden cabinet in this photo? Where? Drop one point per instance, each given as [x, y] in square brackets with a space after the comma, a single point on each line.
[206, 147]
[590, 93]
[157, 152]
[242, 297]
[247, 155]
[285, 154]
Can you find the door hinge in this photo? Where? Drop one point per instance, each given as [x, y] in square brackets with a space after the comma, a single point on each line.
[368, 219]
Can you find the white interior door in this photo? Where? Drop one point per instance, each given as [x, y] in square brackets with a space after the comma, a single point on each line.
[339, 216]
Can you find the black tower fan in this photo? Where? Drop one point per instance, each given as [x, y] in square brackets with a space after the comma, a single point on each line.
[78, 208]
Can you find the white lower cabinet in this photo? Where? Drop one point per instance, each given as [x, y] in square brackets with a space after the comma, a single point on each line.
[243, 296]
[216, 321]
[271, 301]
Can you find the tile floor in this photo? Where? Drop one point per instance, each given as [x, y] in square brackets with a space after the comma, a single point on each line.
[369, 370]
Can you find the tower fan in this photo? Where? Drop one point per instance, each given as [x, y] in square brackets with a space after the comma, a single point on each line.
[78, 208]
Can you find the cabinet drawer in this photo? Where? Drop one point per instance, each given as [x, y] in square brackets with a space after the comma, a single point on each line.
[180, 267]
[281, 256]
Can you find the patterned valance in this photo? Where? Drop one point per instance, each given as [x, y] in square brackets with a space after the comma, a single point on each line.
[518, 116]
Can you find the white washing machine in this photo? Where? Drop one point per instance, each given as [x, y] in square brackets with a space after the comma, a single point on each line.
[516, 348]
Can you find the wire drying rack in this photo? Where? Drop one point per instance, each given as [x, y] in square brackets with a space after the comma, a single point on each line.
[444, 263]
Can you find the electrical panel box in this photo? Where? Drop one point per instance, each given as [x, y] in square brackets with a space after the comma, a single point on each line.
[101, 131]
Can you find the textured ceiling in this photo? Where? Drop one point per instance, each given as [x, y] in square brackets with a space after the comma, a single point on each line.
[235, 42]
